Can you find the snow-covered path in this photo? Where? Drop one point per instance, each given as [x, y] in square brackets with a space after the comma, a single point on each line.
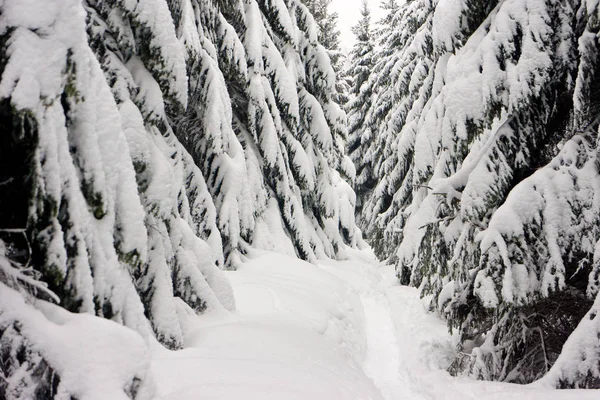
[382, 363]
[337, 330]
[402, 338]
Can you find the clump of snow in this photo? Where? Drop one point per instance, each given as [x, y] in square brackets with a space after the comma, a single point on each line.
[169, 63]
[94, 358]
[270, 233]
[548, 201]
[447, 23]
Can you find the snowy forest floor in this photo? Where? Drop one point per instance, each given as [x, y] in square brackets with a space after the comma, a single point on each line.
[337, 330]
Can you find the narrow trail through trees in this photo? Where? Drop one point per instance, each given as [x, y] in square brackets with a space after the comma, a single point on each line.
[339, 330]
[382, 363]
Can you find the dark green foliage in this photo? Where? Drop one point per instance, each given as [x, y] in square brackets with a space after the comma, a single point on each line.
[329, 37]
[18, 358]
[17, 148]
[361, 134]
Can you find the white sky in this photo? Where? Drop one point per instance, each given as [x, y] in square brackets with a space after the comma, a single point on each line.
[349, 14]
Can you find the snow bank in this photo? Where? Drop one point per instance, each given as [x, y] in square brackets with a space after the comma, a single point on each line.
[298, 334]
[319, 300]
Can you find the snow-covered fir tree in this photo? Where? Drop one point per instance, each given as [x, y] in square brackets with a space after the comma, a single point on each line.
[361, 134]
[487, 113]
[402, 83]
[155, 142]
[329, 37]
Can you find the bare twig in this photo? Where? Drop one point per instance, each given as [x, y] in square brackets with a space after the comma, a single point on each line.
[437, 221]
[13, 230]
[424, 186]
[6, 182]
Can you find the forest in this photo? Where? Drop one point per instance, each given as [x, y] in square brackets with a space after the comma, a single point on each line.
[193, 191]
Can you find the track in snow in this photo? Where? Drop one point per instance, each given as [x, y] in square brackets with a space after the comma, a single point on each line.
[382, 363]
[300, 330]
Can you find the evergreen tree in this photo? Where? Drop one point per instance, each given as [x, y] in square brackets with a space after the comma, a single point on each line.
[360, 134]
[403, 83]
[329, 37]
[157, 136]
[481, 97]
